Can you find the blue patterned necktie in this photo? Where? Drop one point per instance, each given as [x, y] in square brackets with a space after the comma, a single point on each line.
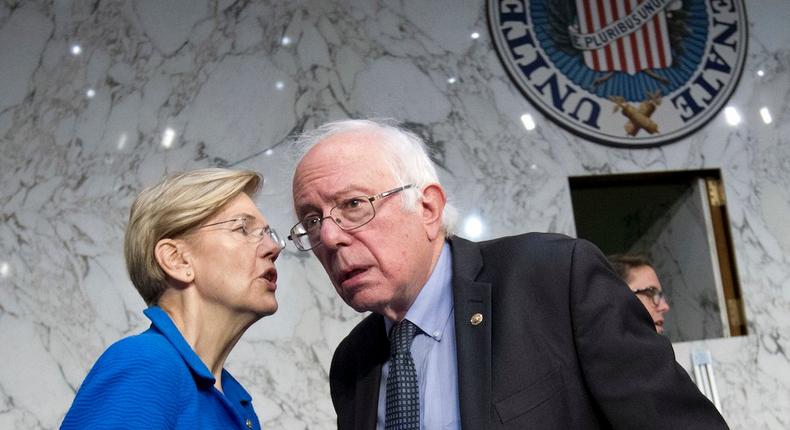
[403, 393]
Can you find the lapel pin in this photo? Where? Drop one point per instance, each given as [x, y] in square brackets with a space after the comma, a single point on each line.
[476, 319]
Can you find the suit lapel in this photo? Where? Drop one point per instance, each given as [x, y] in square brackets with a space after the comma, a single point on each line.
[367, 396]
[473, 336]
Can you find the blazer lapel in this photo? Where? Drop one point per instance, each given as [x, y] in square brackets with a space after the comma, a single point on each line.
[367, 396]
[472, 307]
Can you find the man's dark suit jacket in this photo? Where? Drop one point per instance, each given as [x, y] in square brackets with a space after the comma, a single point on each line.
[563, 344]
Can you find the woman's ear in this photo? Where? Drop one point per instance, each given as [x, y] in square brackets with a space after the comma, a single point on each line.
[174, 261]
[432, 207]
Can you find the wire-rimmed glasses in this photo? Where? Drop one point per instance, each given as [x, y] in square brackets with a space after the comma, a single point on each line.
[251, 235]
[349, 214]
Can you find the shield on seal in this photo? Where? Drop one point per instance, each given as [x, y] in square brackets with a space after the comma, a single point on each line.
[624, 73]
[634, 36]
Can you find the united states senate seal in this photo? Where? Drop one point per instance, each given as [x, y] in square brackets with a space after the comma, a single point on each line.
[624, 73]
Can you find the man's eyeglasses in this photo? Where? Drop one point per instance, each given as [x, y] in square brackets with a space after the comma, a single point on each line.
[251, 234]
[654, 293]
[349, 214]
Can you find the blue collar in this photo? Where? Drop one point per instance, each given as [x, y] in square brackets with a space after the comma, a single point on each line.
[161, 322]
[434, 303]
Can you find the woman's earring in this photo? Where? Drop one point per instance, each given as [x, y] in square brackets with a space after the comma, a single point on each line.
[189, 273]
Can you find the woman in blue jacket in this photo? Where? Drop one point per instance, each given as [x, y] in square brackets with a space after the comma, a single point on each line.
[201, 255]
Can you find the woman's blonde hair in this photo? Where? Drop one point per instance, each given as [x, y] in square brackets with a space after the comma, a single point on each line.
[172, 208]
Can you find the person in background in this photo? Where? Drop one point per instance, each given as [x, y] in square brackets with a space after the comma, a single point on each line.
[520, 332]
[642, 279]
[201, 255]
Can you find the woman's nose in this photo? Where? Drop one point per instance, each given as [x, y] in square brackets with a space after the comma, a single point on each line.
[268, 248]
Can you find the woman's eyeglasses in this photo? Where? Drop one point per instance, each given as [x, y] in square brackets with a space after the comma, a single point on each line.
[251, 234]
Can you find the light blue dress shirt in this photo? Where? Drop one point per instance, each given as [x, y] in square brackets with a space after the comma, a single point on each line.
[433, 351]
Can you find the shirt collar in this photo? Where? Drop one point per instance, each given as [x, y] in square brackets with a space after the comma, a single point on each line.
[433, 304]
[161, 321]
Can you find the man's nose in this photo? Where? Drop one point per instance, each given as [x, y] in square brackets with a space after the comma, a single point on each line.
[332, 235]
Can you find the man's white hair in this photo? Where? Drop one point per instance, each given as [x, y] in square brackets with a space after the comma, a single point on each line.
[404, 152]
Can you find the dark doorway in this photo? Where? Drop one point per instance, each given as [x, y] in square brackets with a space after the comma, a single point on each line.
[679, 220]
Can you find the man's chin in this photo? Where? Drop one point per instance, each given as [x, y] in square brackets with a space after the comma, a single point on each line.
[360, 303]
[361, 306]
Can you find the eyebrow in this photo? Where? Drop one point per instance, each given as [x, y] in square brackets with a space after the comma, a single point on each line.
[337, 196]
[350, 189]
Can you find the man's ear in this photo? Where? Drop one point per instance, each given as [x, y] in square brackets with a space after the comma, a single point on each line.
[174, 260]
[432, 207]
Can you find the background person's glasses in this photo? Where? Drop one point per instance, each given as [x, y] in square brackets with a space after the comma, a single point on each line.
[349, 214]
[654, 293]
[251, 234]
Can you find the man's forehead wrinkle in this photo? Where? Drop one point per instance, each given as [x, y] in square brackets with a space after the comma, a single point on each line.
[341, 173]
[313, 185]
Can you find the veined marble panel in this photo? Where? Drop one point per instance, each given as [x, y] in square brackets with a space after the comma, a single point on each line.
[99, 99]
[678, 246]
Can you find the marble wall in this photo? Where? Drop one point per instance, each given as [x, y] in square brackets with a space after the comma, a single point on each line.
[679, 248]
[99, 99]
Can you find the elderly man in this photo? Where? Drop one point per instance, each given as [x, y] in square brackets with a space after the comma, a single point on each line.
[513, 333]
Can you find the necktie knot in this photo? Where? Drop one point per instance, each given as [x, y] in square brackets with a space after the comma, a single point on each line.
[402, 334]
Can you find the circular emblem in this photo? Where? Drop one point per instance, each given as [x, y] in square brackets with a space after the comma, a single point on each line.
[624, 73]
